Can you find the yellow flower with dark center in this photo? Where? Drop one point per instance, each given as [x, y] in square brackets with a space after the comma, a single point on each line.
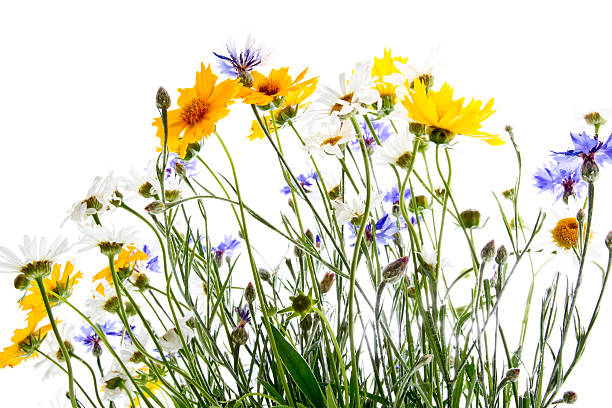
[386, 65]
[445, 115]
[292, 104]
[272, 88]
[200, 108]
[54, 285]
[565, 233]
[124, 263]
[25, 341]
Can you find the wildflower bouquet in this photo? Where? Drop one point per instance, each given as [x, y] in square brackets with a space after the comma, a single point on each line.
[383, 294]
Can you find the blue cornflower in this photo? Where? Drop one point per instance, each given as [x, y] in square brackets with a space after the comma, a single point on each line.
[385, 229]
[588, 148]
[244, 314]
[559, 179]
[152, 262]
[393, 196]
[90, 339]
[190, 166]
[383, 131]
[236, 63]
[225, 249]
[306, 181]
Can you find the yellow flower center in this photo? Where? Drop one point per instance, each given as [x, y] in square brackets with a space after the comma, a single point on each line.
[269, 87]
[338, 107]
[565, 233]
[331, 141]
[195, 111]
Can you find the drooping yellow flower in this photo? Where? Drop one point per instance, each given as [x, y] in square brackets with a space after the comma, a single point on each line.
[25, 341]
[200, 108]
[54, 285]
[275, 86]
[443, 114]
[292, 104]
[124, 263]
[386, 65]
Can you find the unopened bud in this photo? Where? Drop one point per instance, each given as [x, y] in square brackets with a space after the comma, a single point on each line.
[240, 335]
[130, 309]
[264, 274]
[569, 397]
[502, 255]
[426, 359]
[411, 291]
[580, 216]
[310, 236]
[156, 207]
[508, 194]
[246, 79]
[249, 293]
[298, 252]
[512, 375]
[609, 240]
[488, 251]
[97, 349]
[470, 218]
[141, 281]
[306, 322]
[180, 169]
[418, 203]
[589, 170]
[416, 128]
[21, 282]
[162, 99]
[327, 282]
[394, 271]
[440, 192]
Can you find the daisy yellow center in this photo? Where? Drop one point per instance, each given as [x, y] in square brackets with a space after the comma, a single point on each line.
[338, 107]
[195, 111]
[565, 233]
[331, 141]
[269, 87]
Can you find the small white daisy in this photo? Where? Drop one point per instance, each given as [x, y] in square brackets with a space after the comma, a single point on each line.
[51, 347]
[102, 197]
[103, 305]
[329, 139]
[108, 239]
[171, 340]
[397, 150]
[114, 385]
[38, 257]
[353, 209]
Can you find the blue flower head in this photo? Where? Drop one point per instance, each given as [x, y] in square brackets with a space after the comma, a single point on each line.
[393, 196]
[226, 248]
[244, 314]
[561, 180]
[385, 230]
[383, 131]
[238, 62]
[152, 262]
[189, 165]
[587, 148]
[306, 181]
[90, 339]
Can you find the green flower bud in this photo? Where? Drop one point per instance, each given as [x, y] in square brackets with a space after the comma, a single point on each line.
[240, 335]
[192, 151]
[172, 195]
[249, 293]
[141, 281]
[508, 194]
[569, 397]
[502, 255]
[112, 305]
[327, 282]
[306, 322]
[589, 170]
[21, 282]
[145, 190]
[512, 375]
[110, 248]
[608, 240]
[470, 218]
[488, 251]
[301, 303]
[265, 275]
[156, 207]
[130, 309]
[394, 271]
[137, 358]
[416, 128]
[246, 79]
[162, 99]
[418, 202]
[439, 136]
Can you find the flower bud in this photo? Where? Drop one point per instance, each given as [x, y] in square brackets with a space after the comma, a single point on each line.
[512, 375]
[192, 151]
[97, 349]
[580, 215]
[246, 79]
[595, 119]
[609, 240]
[502, 255]
[21, 282]
[112, 305]
[327, 282]
[141, 281]
[130, 309]
[265, 275]
[424, 360]
[416, 128]
[488, 251]
[249, 293]
[439, 136]
[306, 322]
[162, 99]
[569, 397]
[156, 207]
[310, 236]
[180, 169]
[394, 271]
[589, 170]
[240, 335]
[440, 192]
[411, 291]
[298, 252]
[404, 160]
[417, 203]
[470, 218]
[301, 303]
[508, 194]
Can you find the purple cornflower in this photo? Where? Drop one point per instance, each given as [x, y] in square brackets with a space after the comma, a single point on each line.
[190, 166]
[306, 181]
[561, 180]
[383, 131]
[90, 339]
[393, 196]
[385, 229]
[236, 63]
[151, 263]
[588, 148]
[244, 314]
[225, 249]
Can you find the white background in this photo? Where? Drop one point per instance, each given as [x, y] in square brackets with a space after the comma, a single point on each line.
[78, 81]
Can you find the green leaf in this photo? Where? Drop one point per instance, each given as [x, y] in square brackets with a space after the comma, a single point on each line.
[331, 400]
[272, 391]
[298, 369]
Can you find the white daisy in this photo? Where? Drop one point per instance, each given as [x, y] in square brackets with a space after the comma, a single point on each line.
[353, 209]
[102, 197]
[397, 150]
[356, 94]
[329, 139]
[38, 257]
[114, 385]
[108, 239]
[51, 347]
[104, 304]
[142, 183]
[171, 340]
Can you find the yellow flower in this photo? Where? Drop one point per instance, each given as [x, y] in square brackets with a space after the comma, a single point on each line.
[292, 104]
[565, 233]
[271, 88]
[25, 341]
[200, 108]
[440, 112]
[124, 263]
[386, 65]
[54, 284]
[152, 386]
